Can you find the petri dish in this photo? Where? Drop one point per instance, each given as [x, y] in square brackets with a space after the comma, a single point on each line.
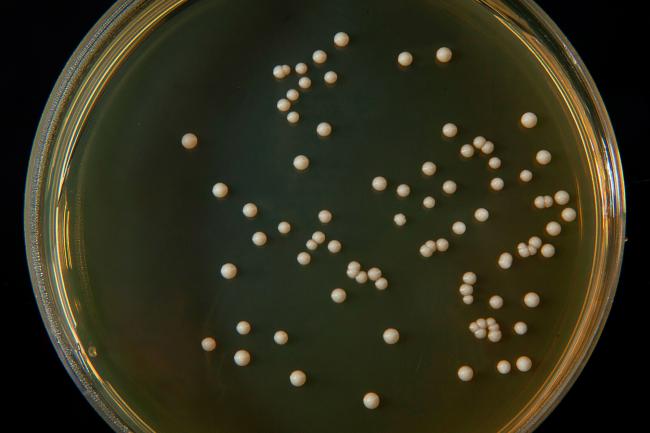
[129, 239]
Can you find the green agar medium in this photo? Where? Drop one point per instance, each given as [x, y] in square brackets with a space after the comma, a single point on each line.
[150, 238]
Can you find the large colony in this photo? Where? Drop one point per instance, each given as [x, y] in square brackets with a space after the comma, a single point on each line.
[481, 328]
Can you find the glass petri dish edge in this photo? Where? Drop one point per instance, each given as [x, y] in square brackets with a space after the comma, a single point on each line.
[55, 128]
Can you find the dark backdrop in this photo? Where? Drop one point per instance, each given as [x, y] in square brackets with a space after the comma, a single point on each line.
[612, 41]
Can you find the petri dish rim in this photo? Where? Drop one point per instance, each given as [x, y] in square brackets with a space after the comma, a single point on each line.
[128, 22]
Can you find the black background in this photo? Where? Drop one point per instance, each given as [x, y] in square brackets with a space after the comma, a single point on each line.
[611, 40]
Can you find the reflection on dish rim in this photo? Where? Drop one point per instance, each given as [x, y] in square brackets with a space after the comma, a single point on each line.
[128, 22]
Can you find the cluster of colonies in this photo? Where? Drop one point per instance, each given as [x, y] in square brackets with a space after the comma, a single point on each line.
[285, 105]
[220, 190]
[481, 328]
